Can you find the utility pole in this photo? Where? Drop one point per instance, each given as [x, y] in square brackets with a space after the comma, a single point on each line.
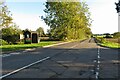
[118, 11]
[118, 6]
[41, 17]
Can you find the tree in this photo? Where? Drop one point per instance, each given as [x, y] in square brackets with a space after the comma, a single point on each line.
[107, 35]
[5, 16]
[66, 19]
[40, 32]
[116, 35]
[10, 31]
[11, 34]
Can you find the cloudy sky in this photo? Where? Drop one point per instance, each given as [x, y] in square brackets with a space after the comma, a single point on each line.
[26, 14]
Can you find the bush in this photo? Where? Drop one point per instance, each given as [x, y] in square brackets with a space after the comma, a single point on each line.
[101, 39]
[3, 42]
[11, 38]
[116, 35]
[10, 34]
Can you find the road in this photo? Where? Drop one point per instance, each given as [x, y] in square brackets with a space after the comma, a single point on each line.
[71, 60]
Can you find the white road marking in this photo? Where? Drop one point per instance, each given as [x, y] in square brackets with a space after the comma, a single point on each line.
[32, 49]
[15, 71]
[94, 61]
[74, 46]
[92, 70]
[98, 49]
[96, 77]
[97, 74]
[56, 44]
[98, 53]
[25, 51]
[5, 55]
[98, 56]
[98, 61]
[98, 66]
[105, 48]
[15, 53]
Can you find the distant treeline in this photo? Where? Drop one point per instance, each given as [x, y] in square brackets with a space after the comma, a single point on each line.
[108, 35]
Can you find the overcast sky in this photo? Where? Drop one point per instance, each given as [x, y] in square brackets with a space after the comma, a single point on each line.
[26, 14]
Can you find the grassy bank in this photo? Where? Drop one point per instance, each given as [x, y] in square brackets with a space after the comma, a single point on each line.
[26, 46]
[108, 42]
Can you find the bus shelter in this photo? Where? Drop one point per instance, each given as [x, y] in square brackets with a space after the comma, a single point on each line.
[30, 37]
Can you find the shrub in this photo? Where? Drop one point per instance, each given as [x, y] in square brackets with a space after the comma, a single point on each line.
[116, 35]
[3, 42]
[10, 34]
[101, 39]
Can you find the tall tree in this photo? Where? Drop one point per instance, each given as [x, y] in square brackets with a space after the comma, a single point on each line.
[11, 34]
[116, 35]
[40, 31]
[66, 19]
[10, 31]
[5, 16]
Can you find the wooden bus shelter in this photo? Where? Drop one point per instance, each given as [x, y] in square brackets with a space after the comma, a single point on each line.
[30, 37]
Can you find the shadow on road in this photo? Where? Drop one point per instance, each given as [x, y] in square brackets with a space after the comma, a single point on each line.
[72, 61]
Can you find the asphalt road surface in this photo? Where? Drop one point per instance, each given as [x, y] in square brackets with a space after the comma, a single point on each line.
[71, 60]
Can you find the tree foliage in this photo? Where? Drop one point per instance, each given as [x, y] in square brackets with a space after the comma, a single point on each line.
[68, 20]
[116, 35]
[3, 42]
[11, 34]
[40, 31]
[10, 31]
[5, 16]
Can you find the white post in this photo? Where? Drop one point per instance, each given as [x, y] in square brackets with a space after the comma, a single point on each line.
[119, 22]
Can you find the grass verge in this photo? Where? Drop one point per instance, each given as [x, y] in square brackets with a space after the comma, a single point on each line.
[26, 46]
[105, 43]
[110, 45]
[16, 47]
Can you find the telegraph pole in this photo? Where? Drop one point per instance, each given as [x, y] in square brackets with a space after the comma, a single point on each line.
[118, 6]
[118, 11]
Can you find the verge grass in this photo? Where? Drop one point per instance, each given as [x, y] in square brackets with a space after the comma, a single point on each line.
[111, 44]
[16, 47]
[108, 43]
[26, 46]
